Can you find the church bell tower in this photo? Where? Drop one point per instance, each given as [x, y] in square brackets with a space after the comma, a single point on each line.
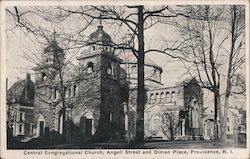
[98, 58]
[52, 60]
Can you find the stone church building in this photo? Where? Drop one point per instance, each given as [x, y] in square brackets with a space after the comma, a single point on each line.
[175, 112]
[93, 92]
[97, 98]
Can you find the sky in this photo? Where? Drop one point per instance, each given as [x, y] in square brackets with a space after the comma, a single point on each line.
[18, 44]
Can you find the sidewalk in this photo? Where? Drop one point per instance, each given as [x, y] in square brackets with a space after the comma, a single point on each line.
[124, 145]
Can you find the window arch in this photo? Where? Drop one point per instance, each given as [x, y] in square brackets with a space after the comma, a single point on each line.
[54, 93]
[152, 99]
[162, 97]
[195, 113]
[74, 90]
[155, 124]
[109, 69]
[44, 77]
[167, 97]
[173, 96]
[93, 48]
[40, 125]
[90, 64]
[157, 97]
[90, 67]
[105, 48]
[133, 68]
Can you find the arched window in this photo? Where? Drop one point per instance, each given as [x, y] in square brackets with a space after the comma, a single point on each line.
[40, 125]
[157, 99]
[167, 97]
[111, 117]
[195, 113]
[155, 125]
[133, 68]
[162, 97]
[54, 93]
[74, 90]
[93, 47]
[105, 48]
[60, 123]
[90, 67]
[173, 96]
[152, 98]
[44, 77]
[109, 69]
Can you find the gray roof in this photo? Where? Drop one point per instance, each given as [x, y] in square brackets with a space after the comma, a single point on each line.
[53, 47]
[100, 36]
[147, 62]
[16, 92]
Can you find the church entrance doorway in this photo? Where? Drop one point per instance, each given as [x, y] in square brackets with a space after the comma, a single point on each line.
[88, 123]
[41, 126]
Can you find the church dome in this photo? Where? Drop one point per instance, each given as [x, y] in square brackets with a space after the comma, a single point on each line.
[53, 47]
[150, 63]
[53, 54]
[100, 36]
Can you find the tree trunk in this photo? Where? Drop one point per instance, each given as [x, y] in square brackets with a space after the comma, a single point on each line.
[129, 124]
[229, 74]
[171, 127]
[140, 89]
[64, 124]
[62, 93]
[224, 121]
[216, 108]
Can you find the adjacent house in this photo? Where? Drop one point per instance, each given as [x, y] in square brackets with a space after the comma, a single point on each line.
[20, 107]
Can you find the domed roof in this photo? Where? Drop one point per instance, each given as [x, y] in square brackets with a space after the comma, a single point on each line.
[100, 36]
[53, 47]
[147, 62]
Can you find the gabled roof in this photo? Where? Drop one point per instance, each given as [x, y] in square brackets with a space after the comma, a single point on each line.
[16, 90]
[16, 93]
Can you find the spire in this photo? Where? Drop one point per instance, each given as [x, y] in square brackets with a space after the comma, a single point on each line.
[100, 21]
[54, 36]
[53, 46]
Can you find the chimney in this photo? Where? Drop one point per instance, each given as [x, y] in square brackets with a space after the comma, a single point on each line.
[6, 84]
[27, 89]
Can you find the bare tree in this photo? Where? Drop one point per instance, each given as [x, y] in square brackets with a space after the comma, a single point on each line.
[136, 19]
[170, 124]
[206, 48]
[59, 78]
[236, 59]
[61, 73]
